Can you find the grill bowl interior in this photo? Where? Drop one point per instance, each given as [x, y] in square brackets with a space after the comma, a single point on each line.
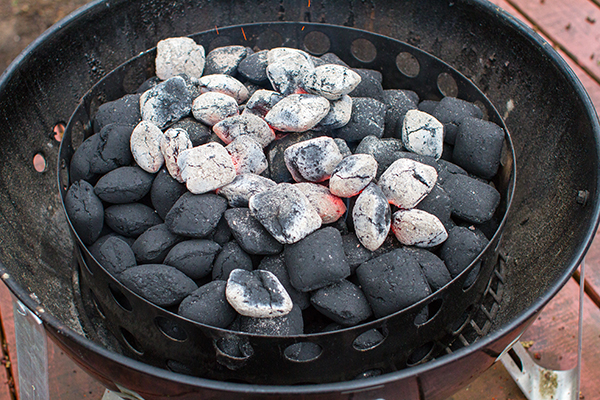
[552, 122]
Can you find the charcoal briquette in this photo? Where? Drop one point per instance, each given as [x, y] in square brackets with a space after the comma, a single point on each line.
[179, 55]
[276, 265]
[206, 168]
[124, 185]
[243, 187]
[254, 67]
[355, 252]
[433, 267]
[224, 60]
[286, 73]
[152, 246]
[195, 215]
[332, 58]
[166, 102]
[343, 147]
[85, 210]
[213, 107]
[331, 81]
[160, 284]
[340, 112]
[123, 111]
[221, 234]
[80, 165]
[371, 217]
[276, 153]
[352, 175]
[343, 302]
[290, 324]
[248, 124]
[317, 261]
[461, 248]
[398, 103]
[472, 200]
[224, 84]
[416, 227]
[193, 257]
[247, 155]
[165, 192]
[208, 305]
[173, 142]
[113, 149]
[438, 203]
[113, 254]
[197, 131]
[428, 106]
[406, 182]
[329, 207]
[392, 282]
[257, 294]
[232, 256]
[297, 112]
[312, 160]
[385, 151]
[369, 86]
[144, 144]
[132, 219]
[423, 134]
[250, 234]
[368, 118]
[451, 111]
[261, 102]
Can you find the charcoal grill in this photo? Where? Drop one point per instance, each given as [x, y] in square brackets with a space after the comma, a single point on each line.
[551, 224]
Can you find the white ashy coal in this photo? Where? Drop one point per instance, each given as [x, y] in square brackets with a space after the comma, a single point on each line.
[213, 107]
[331, 81]
[174, 142]
[248, 124]
[352, 175]
[247, 155]
[329, 207]
[224, 84]
[418, 228]
[145, 146]
[298, 112]
[181, 55]
[206, 168]
[406, 182]
[312, 160]
[423, 134]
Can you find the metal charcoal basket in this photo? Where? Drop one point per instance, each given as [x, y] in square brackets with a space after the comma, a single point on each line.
[161, 338]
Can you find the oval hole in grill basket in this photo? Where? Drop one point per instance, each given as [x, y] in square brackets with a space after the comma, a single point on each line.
[460, 323]
[178, 367]
[269, 39]
[369, 340]
[408, 64]
[447, 85]
[428, 312]
[97, 305]
[170, 329]
[363, 50]
[420, 355]
[131, 341]
[120, 298]
[303, 352]
[39, 162]
[233, 351]
[472, 277]
[317, 43]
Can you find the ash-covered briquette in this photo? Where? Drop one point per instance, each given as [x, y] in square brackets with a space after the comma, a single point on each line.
[438, 203]
[254, 68]
[343, 147]
[342, 302]
[329, 207]
[423, 134]
[250, 234]
[261, 102]
[298, 112]
[340, 112]
[114, 254]
[317, 261]
[276, 265]
[197, 131]
[418, 228]
[285, 212]
[144, 144]
[232, 256]
[286, 69]
[478, 147]
[433, 267]
[406, 182]
[385, 151]
[398, 103]
[211, 108]
[276, 155]
[195, 215]
[368, 118]
[85, 210]
[224, 60]
[208, 305]
[152, 246]
[174, 142]
[371, 217]
[312, 160]
[331, 81]
[472, 200]
[243, 187]
[124, 185]
[461, 248]
[352, 175]
[257, 294]
[165, 192]
[131, 219]
[179, 55]
[113, 149]
[450, 111]
[193, 257]
[123, 111]
[247, 155]
[288, 325]
[159, 284]
[166, 102]
[206, 168]
[392, 282]
[248, 124]
[225, 84]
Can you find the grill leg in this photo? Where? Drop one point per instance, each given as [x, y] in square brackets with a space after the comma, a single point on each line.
[538, 383]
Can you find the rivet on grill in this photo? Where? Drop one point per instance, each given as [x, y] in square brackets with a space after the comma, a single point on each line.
[582, 197]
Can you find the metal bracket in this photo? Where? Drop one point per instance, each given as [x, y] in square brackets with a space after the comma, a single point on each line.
[32, 354]
[538, 383]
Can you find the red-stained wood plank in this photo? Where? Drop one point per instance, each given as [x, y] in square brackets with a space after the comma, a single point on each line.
[8, 378]
[553, 341]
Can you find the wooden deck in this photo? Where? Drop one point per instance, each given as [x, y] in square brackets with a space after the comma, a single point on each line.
[573, 29]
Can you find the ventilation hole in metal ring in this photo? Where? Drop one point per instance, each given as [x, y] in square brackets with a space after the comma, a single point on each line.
[420, 355]
[234, 348]
[59, 131]
[303, 352]
[97, 305]
[368, 340]
[131, 341]
[459, 324]
[178, 367]
[363, 50]
[170, 329]
[368, 374]
[269, 39]
[472, 277]
[120, 298]
[408, 64]
[317, 43]
[447, 85]
[219, 41]
[39, 162]
[428, 312]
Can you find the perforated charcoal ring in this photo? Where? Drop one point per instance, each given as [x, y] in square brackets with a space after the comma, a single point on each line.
[162, 338]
